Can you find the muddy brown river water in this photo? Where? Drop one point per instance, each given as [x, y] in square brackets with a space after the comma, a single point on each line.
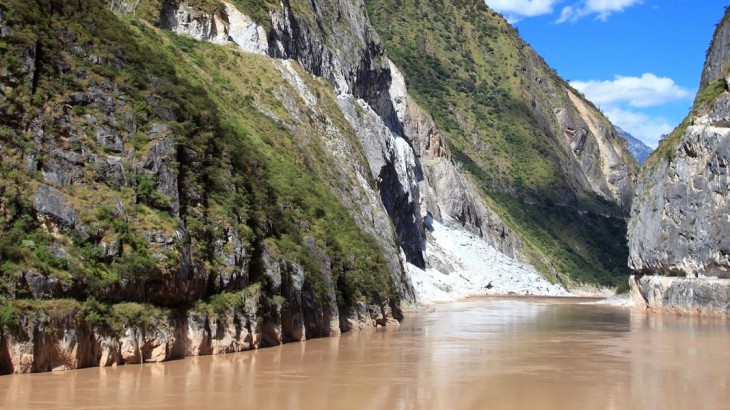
[476, 354]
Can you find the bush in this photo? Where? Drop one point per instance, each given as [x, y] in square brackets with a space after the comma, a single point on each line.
[148, 194]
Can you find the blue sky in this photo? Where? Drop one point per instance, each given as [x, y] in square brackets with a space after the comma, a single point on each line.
[638, 60]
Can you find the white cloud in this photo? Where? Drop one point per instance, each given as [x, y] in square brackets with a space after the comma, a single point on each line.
[642, 126]
[627, 102]
[601, 8]
[648, 90]
[514, 10]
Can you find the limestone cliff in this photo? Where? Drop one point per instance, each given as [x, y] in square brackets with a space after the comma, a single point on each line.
[679, 224]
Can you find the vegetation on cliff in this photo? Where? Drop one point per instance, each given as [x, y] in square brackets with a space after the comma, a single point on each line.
[487, 91]
[138, 167]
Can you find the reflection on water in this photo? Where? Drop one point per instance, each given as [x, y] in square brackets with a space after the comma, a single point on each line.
[487, 353]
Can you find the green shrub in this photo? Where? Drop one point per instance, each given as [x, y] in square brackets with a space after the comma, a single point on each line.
[623, 286]
[147, 193]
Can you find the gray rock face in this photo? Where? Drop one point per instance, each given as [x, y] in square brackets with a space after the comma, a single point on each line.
[54, 203]
[41, 286]
[444, 189]
[602, 166]
[46, 342]
[217, 27]
[679, 224]
[4, 30]
[184, 19]
[718, 55]
[159, 164]
[686, 296]
[357, 68]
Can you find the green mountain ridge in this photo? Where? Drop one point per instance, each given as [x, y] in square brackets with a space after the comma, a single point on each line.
[500, 107]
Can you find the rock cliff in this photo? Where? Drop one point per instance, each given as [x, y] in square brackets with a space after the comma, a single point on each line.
[66, 337]
[542, 158]
[679, 224]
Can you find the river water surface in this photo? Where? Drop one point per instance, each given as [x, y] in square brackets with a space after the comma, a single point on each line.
[477, 354]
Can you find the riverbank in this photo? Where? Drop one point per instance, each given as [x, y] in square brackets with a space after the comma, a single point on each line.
[693, 296]
[461, 265]
[61, 337]
[507, 353]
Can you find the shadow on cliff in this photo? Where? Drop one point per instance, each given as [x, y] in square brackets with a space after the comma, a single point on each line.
[6, 365]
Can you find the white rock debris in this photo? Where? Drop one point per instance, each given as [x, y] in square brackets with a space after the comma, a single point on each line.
[463, 264]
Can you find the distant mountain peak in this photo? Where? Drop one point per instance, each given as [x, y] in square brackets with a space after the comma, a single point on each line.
[637, 148]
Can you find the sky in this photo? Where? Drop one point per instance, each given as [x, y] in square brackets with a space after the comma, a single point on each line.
[639, 61]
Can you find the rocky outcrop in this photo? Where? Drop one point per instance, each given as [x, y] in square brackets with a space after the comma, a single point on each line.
[684, 296]
[361, 78]
[446, 192]
[718, 55]
[599, 151]
[679, 223]
[217, 26]
[183, 19]
[53, 203]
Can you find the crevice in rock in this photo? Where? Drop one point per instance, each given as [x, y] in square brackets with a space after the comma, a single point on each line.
[34, 77]
[636, 279]
[6, 364]
[181, 337]
[403, 214]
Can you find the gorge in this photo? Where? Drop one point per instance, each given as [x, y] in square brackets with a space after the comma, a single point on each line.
[197, 177]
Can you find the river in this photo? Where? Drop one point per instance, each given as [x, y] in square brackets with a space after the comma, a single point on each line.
[496, 353]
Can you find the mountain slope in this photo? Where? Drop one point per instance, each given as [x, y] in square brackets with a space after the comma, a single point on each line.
[183, 179]
[637, 148]
[151, 193]
[545, 159]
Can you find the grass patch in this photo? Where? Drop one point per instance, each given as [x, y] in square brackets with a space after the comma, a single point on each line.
[703, 103]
